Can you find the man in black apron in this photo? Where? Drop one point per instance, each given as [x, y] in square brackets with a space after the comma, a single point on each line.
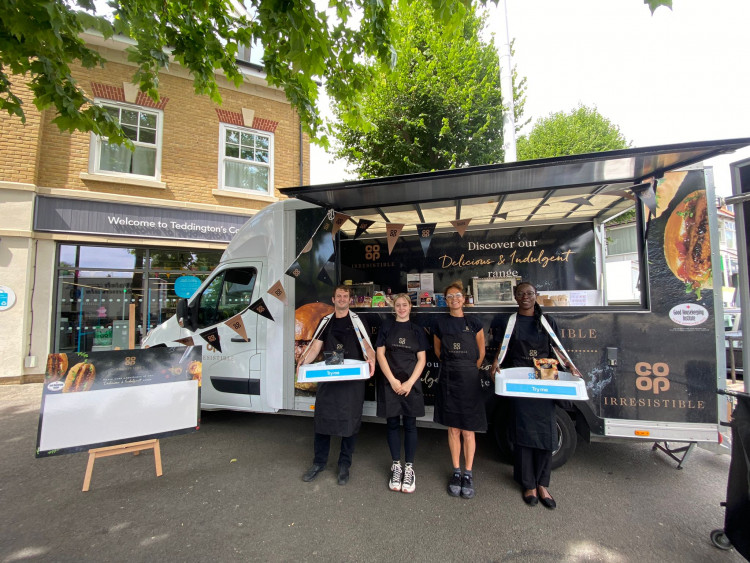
[338, 404]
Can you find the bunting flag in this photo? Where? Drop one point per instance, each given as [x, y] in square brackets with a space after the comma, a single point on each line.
[277, 290]
[461, 226]
[187, 341]
[338, 221]
[425, 231]
[259, 307]
[362, 226]
[501, 215]
[237, 325]
[393, 230]
[308, 247]
[212, 337]
[327, 226]
[578, 201]
[647, 196]
[324, 277]
[294, 270]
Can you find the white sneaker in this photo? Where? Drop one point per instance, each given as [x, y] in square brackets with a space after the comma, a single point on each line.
[410, 480]
[395, 483]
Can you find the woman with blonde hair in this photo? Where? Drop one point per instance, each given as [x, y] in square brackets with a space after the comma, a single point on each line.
[401, 352]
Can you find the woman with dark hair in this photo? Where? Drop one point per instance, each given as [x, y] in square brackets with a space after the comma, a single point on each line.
[459, 405]
[535, 436]
[401, 356]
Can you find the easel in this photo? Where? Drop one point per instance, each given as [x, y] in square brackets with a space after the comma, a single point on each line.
[134, 447]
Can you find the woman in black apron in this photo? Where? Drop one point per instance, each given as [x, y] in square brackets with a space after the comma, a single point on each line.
[535, 436]
[459, 405]
[401, 356]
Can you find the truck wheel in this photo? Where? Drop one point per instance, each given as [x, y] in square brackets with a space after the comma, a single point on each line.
[566, 437]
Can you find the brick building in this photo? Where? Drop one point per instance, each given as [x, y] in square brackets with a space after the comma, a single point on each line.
[94, 234]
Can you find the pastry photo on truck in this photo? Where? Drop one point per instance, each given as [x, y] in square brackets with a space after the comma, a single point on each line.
[644, 325]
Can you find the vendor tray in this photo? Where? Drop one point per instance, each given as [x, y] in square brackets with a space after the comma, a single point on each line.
[349, 370]
[520, 382]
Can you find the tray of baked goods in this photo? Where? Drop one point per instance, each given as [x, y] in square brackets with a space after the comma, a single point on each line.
[540, 383]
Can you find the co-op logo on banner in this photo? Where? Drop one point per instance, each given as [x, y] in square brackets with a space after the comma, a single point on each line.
[652, 377]
[372, 252]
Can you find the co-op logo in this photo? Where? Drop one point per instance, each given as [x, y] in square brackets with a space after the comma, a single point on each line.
[652, 377]
[372, 252]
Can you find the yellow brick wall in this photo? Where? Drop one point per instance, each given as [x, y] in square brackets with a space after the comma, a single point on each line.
[19, 143]
[190, 143]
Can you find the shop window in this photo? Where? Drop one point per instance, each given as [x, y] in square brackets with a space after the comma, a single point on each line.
[143, 127]
[245, 160]
[228, 294]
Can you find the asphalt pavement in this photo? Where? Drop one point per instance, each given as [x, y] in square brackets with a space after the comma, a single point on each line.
[233, 492]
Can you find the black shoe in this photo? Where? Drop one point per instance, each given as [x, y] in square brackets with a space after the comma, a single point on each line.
[312, 473]
[549, 502]
[343, 474]
[454, 485]
[467, 486]
[531, 500]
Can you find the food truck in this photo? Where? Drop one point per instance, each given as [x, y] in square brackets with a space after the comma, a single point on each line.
[651, 363]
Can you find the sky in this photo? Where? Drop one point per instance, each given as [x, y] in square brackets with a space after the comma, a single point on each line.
[675, 76]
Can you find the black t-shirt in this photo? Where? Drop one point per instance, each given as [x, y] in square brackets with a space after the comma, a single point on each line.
[339, 335]
[457, 327]
[402, 341]
[528, 342]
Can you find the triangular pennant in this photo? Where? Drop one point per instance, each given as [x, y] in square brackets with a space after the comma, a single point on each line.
[324, 277]
[259, 307]
[578, 201]
[647, 197]
[277, 290]
[393, 230]
[237, 325]
[294, 270]
[501, 215]
[308, 247]
[461, 226]
[327, 226]
[425, 231]
[212, 337]
[187, 341]
[362, 226]
[338, 221]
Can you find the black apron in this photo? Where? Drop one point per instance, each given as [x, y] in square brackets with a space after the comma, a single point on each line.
[534, 418]
[458, 398]
[401, 347]
[338, 404]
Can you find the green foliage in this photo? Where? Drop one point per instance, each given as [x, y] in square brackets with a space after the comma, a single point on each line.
[304, 47]
[583, 130]
[40, 40]
[440, 107]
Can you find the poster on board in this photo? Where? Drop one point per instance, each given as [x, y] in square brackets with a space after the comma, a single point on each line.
[97, 399]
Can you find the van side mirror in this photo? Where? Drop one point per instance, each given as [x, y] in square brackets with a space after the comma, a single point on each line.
[184, 316]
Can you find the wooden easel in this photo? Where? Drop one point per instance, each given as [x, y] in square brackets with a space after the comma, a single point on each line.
[134, 447]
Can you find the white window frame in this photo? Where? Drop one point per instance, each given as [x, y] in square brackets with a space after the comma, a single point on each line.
[96, 143]
[222, 156]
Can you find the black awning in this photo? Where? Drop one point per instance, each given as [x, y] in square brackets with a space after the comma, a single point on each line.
[571, 188]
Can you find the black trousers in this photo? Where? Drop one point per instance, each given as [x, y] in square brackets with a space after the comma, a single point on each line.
[394, 437]
[532, 467]
[323, 447]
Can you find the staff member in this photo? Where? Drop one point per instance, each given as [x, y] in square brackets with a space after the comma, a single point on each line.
[535, 432]
[338, 404]
[459, 345]
[401, 355]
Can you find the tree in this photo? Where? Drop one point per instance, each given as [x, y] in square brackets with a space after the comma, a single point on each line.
[583, 130]
[40, 39]
[439, 108]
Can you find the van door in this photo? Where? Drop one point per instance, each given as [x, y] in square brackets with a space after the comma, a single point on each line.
[227, 378]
